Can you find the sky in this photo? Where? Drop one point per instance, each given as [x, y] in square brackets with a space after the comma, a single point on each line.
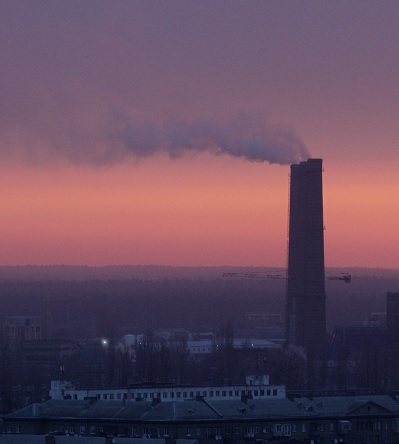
[161, 132]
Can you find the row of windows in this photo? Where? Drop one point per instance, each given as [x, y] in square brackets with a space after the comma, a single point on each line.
[253, 430]
[21, 329]
[198, 349]
[372, 425]
[186, 394]
[72, 430]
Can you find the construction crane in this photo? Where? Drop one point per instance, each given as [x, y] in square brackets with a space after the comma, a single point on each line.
[253, 275]
[345, 277]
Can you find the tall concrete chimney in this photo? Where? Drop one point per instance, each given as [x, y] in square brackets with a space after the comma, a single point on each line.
[306, 307]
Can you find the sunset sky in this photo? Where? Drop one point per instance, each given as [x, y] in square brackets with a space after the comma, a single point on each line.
[140, 132]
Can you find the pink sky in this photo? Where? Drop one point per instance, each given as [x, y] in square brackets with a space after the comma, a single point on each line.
[81, 78]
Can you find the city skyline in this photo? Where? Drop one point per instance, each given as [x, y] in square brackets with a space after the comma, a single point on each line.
[321, 75]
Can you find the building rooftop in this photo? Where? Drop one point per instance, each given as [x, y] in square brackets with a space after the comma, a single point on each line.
[276, 408]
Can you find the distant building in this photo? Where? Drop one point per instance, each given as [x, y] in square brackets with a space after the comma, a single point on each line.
[356, 357]
[393, 316]
[20, 329]
[206, 347]
[306, 306]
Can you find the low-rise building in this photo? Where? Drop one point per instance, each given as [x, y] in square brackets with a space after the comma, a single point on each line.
[348, 419]
[256, 387]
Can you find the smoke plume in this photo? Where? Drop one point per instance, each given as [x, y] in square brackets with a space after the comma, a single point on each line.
[265, 143]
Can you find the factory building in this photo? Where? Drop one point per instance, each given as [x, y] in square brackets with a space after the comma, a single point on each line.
[256, 387]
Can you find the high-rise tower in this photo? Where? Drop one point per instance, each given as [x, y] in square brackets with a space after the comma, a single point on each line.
[306, 308]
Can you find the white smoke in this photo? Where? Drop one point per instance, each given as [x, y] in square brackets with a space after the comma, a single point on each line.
[117, 137]
[265, 143]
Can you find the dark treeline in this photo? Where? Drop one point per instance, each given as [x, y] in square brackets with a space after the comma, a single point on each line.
[98, 307]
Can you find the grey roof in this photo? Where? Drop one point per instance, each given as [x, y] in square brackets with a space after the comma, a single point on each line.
[197, 410]
[345, 405]
[53, 408]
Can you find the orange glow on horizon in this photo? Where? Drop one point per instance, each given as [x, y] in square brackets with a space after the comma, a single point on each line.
[169, 213]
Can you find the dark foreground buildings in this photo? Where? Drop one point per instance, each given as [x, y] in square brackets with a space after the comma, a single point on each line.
[306, 309]
[338, 419]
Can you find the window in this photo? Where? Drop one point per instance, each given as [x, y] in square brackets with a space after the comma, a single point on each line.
[145, 395]
[268, 393]
[210, 393]
[204, 393]
[293, 428]
[262, 393]
[134, 431]
[119, 396]
[152, 395]
[282, 429]
[303, 428]
[197, 393]
[164, 395]
[166, 431]
[172, 395]
[217, 393]
[249, 431]
[191, 394]
[331, 426]
[236, 392]
[72, 430]
[18, 428]
[154, 432]
[199, 432]
[230, 392]
[100, 430]
[111, 396]
[82, 430]
[224, 393]
[236, 430]
[286, 429]
[177, 394]
[188, 431]
[92, 430]
[256, 392]
[274, 392]
[184, 394]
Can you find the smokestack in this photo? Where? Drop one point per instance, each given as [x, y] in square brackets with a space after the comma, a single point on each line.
[306, 309]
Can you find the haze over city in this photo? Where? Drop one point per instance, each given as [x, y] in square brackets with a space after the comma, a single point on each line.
[162, 132]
